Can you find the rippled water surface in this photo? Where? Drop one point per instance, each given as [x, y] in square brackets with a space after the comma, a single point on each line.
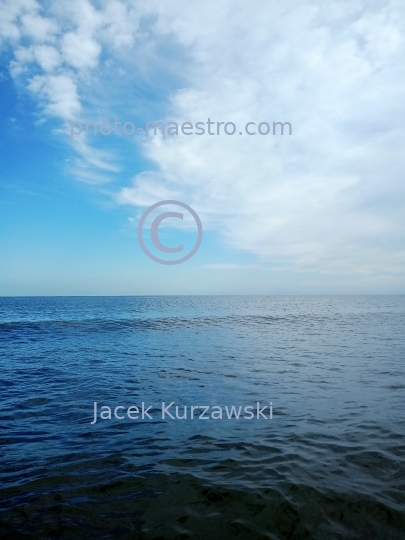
[330, 464]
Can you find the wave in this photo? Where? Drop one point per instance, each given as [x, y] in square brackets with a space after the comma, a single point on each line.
[78, 504]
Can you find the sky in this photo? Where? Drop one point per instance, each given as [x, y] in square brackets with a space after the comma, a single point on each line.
[317, 211]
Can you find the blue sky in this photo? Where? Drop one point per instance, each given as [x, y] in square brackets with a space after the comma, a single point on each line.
[320, 211]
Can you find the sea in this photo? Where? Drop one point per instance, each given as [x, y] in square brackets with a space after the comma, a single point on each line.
[328, 464]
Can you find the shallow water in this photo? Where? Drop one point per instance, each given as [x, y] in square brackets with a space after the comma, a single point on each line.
[329, 464]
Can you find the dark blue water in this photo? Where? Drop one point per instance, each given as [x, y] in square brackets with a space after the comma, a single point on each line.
[330, 464]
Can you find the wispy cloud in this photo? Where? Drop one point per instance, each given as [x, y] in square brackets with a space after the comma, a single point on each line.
[330, 198]
[230, 266]
[57, 58]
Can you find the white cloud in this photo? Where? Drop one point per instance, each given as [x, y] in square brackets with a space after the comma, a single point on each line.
[121, 24]
[60, 92]
[10, 12]
[47, 57]
[80, 50]
[99, 159]
[39, 28]
[328, 198]
[60, 72]
[312, 200]
[149, 189]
